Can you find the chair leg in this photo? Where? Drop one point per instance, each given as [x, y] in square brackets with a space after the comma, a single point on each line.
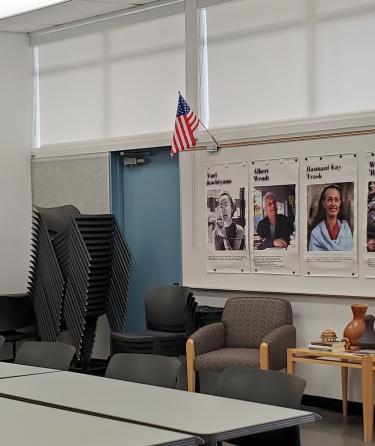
[190, 368]
[263, 356]
[14, 345]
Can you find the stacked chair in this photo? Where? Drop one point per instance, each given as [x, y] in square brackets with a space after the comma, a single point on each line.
[169, 321]
[79, 271]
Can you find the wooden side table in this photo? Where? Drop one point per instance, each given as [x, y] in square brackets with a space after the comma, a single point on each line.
[345, 361]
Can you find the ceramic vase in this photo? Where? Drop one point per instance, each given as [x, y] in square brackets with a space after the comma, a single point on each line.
[356, 327]
[367, 340]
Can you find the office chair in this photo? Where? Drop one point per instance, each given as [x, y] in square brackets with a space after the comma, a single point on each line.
[253, 332]
[17, 320]
[266, 387]
[169, 321]
[155, 370]
[53, 355]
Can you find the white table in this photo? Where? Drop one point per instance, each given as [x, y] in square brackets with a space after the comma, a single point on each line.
[35, 425]
[209, 417]
[10, 370]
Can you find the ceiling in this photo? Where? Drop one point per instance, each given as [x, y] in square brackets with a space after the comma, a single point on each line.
[69, 11]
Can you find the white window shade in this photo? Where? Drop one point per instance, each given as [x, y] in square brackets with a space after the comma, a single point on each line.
[345, 65]
[271, 61]
[112, 84]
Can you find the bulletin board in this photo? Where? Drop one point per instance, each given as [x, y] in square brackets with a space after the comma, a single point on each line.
[305, 271]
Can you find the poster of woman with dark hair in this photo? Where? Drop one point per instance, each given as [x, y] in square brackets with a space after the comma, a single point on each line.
[331, 215]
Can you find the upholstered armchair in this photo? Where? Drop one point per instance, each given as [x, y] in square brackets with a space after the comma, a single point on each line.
[253, 332]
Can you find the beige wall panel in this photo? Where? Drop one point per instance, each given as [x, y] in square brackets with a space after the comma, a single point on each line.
[82, 181]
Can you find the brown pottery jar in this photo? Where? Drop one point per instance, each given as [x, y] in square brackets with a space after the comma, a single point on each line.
[356, 327]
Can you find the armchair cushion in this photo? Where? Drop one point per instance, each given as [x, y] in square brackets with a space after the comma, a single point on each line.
[208, 338]
[218, 360]
[248, 320]
[279, 340]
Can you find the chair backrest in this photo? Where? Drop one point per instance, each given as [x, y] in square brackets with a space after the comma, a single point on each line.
[58, 218]
[261, 386]
[167, 308]
[248, 320]
[155, 370]
[16, 311]
[53, 355]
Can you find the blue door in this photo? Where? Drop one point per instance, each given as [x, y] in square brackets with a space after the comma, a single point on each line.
[146, 200]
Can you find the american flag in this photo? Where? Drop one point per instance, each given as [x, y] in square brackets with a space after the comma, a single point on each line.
[185, 126]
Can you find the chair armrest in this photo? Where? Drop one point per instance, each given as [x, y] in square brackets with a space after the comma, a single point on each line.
[208, 338]
[279, 340]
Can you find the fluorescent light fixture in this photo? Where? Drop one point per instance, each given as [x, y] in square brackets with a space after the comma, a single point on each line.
[9, 8]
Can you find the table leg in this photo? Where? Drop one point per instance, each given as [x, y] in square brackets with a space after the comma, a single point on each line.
[367, 398]
[344, 390]
[290, 365]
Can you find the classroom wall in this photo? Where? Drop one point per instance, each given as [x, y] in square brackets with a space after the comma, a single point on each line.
[16, 93]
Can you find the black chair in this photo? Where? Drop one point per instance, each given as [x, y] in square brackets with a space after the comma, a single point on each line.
[53, 355]
[169, 321]
[266, 387]
[17, 320]
[155, 370]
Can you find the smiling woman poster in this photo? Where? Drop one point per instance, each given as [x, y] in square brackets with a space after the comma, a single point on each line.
[331, 212]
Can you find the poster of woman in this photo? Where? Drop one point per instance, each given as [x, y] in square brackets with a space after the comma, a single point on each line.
[331, 206]
[330, 226]
[227, 224]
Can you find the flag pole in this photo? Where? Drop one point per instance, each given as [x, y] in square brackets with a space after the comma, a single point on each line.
[214, 140]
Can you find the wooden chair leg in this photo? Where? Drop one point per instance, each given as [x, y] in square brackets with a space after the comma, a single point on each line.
[190, 368]
[263, 356]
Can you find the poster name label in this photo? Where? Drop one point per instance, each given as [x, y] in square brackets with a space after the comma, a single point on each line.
[261, 174]
[371, 168]
[315, 172]
[212, 179]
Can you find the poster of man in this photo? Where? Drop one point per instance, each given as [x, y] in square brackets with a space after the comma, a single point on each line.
[330, 217]
[274, 216]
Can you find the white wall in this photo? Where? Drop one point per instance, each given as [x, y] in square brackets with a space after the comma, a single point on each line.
[15, 148]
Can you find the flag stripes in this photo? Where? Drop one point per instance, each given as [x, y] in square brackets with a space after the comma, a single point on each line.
[185, 125]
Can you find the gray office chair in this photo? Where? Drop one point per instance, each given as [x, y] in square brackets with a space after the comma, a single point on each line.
[155, 370]
[266, 387]
[169, 314]
[53, 355]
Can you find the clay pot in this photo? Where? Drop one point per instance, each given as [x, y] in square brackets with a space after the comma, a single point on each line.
[367, 340]
[356, 327]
